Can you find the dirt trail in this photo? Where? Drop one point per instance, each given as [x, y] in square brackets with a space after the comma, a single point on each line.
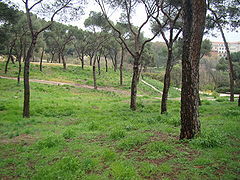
[109, 89]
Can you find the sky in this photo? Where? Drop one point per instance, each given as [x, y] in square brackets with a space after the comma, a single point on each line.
[139, 17]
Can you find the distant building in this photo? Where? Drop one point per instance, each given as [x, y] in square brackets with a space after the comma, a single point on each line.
[219, 48]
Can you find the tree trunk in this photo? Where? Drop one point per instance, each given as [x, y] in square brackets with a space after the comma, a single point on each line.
[194, 14]
[59, 58]
[167, 80]
[106, 63]
[99, 65]
[91, 58]
[26, 105]
[82, 60]
[239, 100]
[52, 57]
[94, 73]
[133, 104]
[231, 72]
[41, 59]
[19, 62]
[115, 62]
[64, 62]
[121, 67]
[9, 55]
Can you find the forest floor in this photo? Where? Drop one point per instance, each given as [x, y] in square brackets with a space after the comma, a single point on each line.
[81, 133]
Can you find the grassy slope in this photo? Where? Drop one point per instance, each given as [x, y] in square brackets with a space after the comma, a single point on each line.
[78, 133]
[77, 75]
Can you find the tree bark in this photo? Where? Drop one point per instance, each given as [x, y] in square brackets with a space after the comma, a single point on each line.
[52, 58]
[239, 100]
[99, 65]
[59, 57]
[115, 62]
[133, 104]
[26, 105]
[41, 59]
[19, 62]
[106, 63]
[10, 55]
[64, 62]
[194, 14]
[167, 79]
[121, 67]
[82, 60]
[231, 72]
[94, 72]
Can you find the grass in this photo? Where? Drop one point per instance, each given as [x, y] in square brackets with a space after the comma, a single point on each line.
[74, 74]
[76, 133]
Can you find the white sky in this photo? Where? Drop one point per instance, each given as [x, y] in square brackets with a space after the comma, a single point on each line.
[138, 19]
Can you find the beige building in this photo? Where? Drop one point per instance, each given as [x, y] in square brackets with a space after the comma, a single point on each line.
[219, 48]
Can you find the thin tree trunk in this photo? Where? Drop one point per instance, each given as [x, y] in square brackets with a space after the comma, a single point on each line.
[53, 54]
[26, 105]
[133, 104]
[19, 62]
[167, 79]
[106, 63]
[82, 60]
[64, 62]
[9, 55]
[115, 62]
[59, 58]
[121, 67]
[99, 65]
[194, 14]
[41, 59]
[91, 58]
[231, 72]
[239, 100]
[94, 72]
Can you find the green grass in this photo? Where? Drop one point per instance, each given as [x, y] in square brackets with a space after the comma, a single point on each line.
[75, 74]
[76, 133]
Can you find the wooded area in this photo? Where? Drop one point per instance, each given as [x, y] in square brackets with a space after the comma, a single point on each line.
[168, 94]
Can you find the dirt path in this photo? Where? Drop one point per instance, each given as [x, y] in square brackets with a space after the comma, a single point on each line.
[109, 89]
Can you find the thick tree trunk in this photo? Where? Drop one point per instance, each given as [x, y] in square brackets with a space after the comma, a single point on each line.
[26, 105]
[41, 59]
[231, 72]
[106, 63]
[194, 14]
[94, 72]
[133, 104]
[167, 80]
[121, 67]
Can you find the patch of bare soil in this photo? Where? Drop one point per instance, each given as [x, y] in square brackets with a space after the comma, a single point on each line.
[25, 139]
